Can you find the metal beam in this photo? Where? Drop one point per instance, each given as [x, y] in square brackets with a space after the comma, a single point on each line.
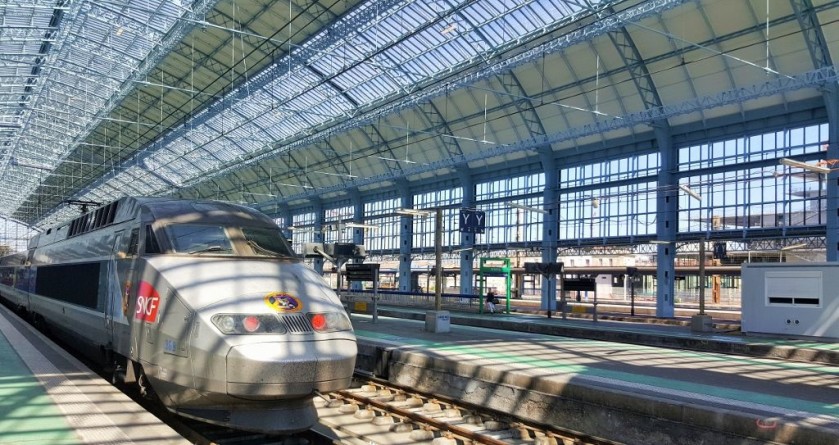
[812, 79]
[586, 33]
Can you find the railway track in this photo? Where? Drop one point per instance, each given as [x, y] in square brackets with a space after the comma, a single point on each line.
[378, 412]
[196, 431]
[201, 433]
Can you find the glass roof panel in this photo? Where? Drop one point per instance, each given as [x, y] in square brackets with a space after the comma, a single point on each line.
[337, 58]
[176, 171]
[136, 181]
[307, 101]
[291, 83]
[199, 136]
[256, 104]
[545, 12]
[71, 70]
[292, 124]
[160, 163]
[366, 84]
[299, 97]
[103, 193]
[99, 195]
[303, 100]
[425, 63]
[224, 149]
[247, 138]
[269, 123]
[501, 25]
[189, 165]
[427, 52]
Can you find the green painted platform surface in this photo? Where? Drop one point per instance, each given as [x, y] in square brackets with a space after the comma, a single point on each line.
[786, 385]
[27, 413]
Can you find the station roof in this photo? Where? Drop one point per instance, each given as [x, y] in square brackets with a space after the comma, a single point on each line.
[276, 103]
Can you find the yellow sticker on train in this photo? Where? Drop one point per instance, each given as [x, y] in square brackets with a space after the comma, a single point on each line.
[283, 302]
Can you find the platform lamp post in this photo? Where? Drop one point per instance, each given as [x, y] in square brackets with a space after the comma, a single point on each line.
[700, 322]
[787, 249]
[438, 259]
[437, 320]
[701, 278]
[815, 168]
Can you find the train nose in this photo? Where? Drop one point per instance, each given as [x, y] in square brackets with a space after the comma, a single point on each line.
[270, 370]
[288, 370]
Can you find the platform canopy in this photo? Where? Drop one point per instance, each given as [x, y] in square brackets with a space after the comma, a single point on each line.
[271, 103]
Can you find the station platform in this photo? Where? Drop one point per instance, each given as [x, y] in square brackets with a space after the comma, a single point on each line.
[630, 381]
[641, 329]
[49, 397]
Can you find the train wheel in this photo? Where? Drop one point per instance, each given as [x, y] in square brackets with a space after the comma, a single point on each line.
[40, 323]
[117, 374]
[145, 387]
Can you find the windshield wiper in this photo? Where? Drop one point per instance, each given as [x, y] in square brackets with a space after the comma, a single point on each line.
[259, 248]
[211, 249]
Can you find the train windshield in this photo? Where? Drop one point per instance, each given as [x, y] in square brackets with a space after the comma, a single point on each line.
[225, 240]
[266, 242]
[194, 239]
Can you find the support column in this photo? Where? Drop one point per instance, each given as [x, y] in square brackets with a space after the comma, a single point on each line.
[317, 236]
[357, 232]
[550, 232]
[467, 240]
[666, 225]
[406, 231]
[285, 213]
[832, 210]
[817, 44]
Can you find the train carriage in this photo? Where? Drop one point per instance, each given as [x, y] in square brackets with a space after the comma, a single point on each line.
[203, 303]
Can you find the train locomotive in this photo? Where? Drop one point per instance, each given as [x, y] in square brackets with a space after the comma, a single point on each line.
[202, 303]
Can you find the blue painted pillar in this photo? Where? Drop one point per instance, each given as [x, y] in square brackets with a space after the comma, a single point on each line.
[832, 236]
[317, 236]
[550, 232]
[467, 240]
[284, 212]
[358, 232]
[667, 224]
[406, 231]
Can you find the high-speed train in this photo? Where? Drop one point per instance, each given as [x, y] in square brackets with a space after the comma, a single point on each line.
[202, 303]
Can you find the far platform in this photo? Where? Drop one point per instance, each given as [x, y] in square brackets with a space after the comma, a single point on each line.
[628, 381]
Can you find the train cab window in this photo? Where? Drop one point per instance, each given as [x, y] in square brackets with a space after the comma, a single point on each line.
[267, 242]
[196, 239]
[151, 245]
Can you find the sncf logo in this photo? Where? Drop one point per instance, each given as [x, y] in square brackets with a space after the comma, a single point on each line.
[148, 300]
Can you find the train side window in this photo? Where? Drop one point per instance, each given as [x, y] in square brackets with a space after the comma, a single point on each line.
[133, 243]
[152, 245]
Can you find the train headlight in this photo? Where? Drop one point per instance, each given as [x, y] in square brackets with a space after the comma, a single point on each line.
[329, 322]
[251, 323]
[225, 323]
[235, 324]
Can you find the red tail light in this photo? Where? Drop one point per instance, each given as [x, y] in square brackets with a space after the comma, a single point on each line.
[318, 322]
[250, 323]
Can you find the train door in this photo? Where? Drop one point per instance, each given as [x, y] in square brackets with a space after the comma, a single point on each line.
[127, 273]
[119, 269]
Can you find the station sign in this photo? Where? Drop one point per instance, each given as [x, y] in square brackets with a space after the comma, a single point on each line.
[544, 268]
[472, 221]
[362, 272]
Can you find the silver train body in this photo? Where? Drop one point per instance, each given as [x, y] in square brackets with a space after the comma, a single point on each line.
[202, 302]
